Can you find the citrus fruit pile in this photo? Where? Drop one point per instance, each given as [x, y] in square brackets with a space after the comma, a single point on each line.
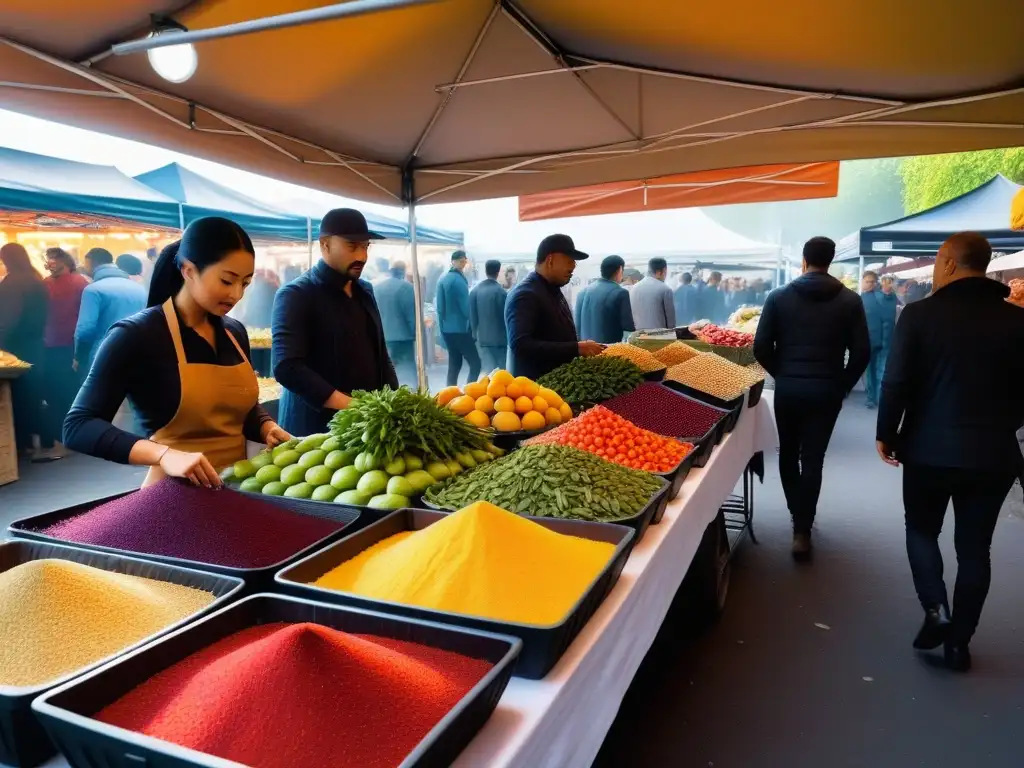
[608, 435]
[506, 403]
[318, 468]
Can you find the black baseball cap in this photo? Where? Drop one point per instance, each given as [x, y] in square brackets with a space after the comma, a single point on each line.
[559, 244]
[347, 223]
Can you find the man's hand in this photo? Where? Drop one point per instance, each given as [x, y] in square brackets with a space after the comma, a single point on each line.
[887, 454]
[273, 435]
[338, 401]
[590, 348]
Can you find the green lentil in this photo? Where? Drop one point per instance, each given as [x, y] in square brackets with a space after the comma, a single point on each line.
[552, 481]
[586, 381]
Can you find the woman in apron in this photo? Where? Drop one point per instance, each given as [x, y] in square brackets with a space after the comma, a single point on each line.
[183, 365]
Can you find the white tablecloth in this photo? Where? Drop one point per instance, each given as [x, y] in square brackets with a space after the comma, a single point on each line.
[561, 721]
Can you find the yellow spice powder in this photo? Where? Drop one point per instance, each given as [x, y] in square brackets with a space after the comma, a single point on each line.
[480, 561]
[57, 616]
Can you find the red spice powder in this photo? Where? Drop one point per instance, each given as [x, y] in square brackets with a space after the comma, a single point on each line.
[288, 695]
[175, 519]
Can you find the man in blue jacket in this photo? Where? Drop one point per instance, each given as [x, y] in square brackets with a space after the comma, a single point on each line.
[328, 340]
[453, 315]
[603, 311]
[685, 299]
[397, 304]
[487, 317]
[880, 307]
[109, 298]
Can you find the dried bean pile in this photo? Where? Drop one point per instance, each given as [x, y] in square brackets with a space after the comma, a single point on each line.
[714, 375]
[675, 353]
[178, 520]
[552, 481]
[659, 409]
[643, 359]
[587, 381]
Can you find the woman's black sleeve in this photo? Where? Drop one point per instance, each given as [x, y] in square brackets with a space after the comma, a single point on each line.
[88, 428]
[258, 416]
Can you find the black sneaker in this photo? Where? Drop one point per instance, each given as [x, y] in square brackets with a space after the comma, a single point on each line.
[801, 547]
[958, 657]
[935, 629]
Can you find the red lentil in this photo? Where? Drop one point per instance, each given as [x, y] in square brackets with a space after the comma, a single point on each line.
[659, 409]
[287, 695]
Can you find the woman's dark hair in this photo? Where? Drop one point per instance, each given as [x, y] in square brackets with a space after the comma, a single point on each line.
[15, 259]
[204, 242]
[59, 254]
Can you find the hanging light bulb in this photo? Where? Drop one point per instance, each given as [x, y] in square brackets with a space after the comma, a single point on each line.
[175, 63]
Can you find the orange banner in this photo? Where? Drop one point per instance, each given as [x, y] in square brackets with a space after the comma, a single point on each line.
[752, 184]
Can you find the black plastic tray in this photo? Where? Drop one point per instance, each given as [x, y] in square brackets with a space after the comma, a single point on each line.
[655, 508]
[255, 578]
[87, 743]
[733, 407]
[542, 646]
[755, 394]
[675, 478]
[658, 375]
[23, 742]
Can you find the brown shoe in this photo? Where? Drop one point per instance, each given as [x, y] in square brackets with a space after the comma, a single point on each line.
[801, 547]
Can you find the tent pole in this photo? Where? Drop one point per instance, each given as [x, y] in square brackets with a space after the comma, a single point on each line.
[309, 243]
[860, 271]
[409, 193]
[181, 217]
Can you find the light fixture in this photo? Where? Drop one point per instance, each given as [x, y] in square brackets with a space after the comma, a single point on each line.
[175, 63]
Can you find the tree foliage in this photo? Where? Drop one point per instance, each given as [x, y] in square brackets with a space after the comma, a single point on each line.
[930, 180]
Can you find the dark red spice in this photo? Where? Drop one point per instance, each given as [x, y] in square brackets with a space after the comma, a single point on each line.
[657, 408]
[287, 695]
[220, 527]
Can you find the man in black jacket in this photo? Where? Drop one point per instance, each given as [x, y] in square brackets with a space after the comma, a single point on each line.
[803, 337]
[950, 408]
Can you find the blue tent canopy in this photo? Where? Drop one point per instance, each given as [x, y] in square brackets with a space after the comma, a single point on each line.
[201, 196]
[37, 183]
[985, 209]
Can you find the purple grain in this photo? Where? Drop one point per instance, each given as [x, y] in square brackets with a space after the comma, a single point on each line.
[657, 408]
[219, 527]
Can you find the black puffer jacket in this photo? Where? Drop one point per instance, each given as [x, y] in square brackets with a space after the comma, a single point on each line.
[806, 330]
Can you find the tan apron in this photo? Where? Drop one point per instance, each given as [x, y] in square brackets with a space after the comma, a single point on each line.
[215, 400]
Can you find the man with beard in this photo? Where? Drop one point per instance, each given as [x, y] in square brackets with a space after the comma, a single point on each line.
[538, 321]
[328, 340]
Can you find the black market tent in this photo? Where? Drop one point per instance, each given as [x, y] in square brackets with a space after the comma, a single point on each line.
[38, 191]
[985, 209]
[201, 196]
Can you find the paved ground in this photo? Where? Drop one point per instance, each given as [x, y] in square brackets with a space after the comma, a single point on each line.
[809, 666]
[812, 666]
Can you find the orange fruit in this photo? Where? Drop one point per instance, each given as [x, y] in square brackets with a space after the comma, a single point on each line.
[566, 411]
[485, 404]
[514, 389]
[478, 419]
[533, 421]
[447, 394]
[553, 399]
[495, 390]
[462, 405]
[540, 404]
[530, 388]
[524, 405]
[504, 405]
[502, 377]
[506, 422]
[553, 417]
[476, 389]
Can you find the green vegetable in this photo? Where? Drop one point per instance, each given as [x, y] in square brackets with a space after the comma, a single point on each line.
[244, 469]
[388, 501]
[586, 381]
[287, 446]
[317, 476]
[454, 467]
[552, 481]
[268, 474]
[262, 459]
[293, 475]
[396, 466]
[336, 460]
[276, 488]
[312, 458]
[300, 491]
[310, 443]
[353, 497]
[480, 456]
[346, 478]
[228, 476]
[373, 482]
[420, 480]
[412, 462]
[439, 471]
[325, 493]
[399, 486]
[366, 461]
[466, 460]
[387, 423]
[286, 458]
[330, 444]
[251, 485]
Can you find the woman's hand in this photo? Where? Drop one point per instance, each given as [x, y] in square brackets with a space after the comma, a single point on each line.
[194, 467]
[273, 435]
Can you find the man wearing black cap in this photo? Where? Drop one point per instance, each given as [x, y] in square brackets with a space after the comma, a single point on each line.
[541, 333]
[328, 340]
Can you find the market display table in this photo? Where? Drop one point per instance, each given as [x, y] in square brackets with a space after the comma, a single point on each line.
[561, 721]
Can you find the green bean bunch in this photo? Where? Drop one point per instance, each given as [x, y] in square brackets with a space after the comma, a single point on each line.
[388, 422]
[587, 381]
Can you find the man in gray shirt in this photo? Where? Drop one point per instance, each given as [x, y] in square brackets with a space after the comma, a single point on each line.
[651, 299]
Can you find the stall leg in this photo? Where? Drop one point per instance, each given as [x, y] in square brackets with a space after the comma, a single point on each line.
[421, 337]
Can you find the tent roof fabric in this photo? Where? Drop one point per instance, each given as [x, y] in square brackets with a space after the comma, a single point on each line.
[985, 210]
[759, 184]
[491, 98]
[38, 183]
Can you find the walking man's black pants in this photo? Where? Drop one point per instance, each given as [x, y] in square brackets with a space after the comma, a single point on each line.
[461, 346]
[977, 497]
[805, 428]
